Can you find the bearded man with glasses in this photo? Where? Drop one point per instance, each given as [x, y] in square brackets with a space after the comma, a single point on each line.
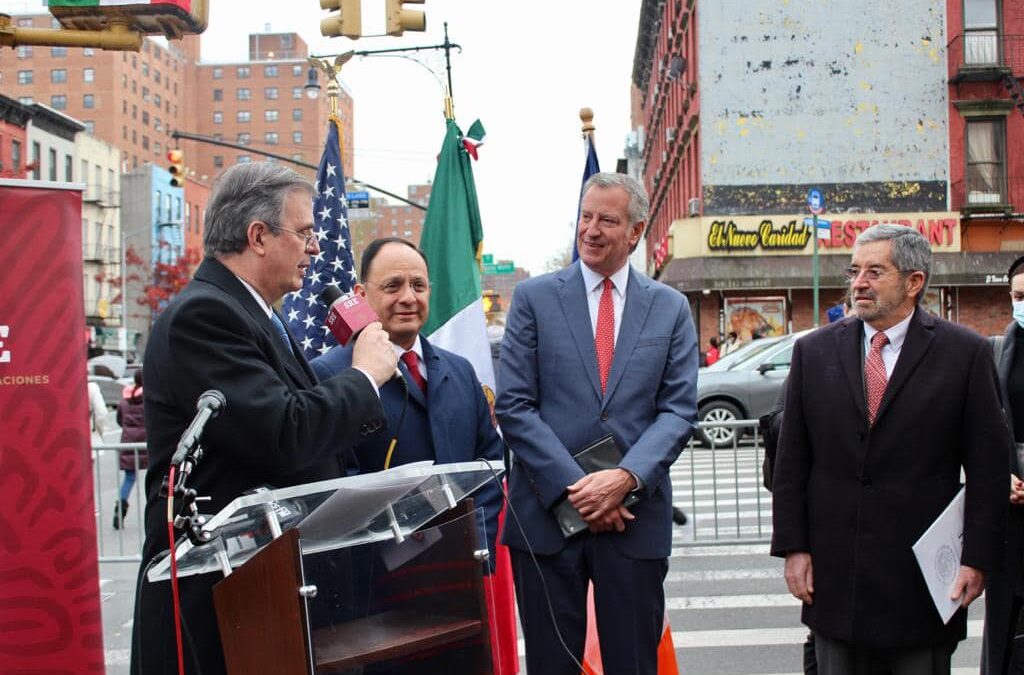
[883, 410]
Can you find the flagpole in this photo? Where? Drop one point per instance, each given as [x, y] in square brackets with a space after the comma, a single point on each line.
[587, 118]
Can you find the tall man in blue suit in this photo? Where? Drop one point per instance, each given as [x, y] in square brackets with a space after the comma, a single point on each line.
[592, 350]
[447, 418]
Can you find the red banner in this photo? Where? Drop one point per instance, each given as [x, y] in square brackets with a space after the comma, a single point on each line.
[49, 576]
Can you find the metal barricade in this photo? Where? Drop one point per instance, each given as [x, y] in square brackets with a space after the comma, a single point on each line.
[721, 488]
[125, 543]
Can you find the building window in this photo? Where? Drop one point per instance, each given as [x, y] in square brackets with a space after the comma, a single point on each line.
[297, 137]
[242, 72]
[135, 137]
[68, 169]
[88, 101]
[296, 92]
[145, 142]
[156, 76]
[26, 100]
[124, 131]
[90, 127]
[981, 32]
[244, 116]
[88, 75]
[157, 100]
[157, 147]
[145, 68]
[59, 102]
[88, 51]
[986, 161]
[218, 117]
[16, 156]
[270, 93]
[24, 52]
[145, 93]
[145, 117]
[37, 159]
[218, 94]
[243, 94]
[270, 138]
[135, 111]
[270, 71]
[244, 159]
[270, 115]
[244, 138]
[287, 41]
[218, 161]
[218, 137]
[58, 76]
[297, 70]
[297, 114]
[53, 164]
[134, 86]
[218, 73]
[124, 81]
[58, 52]
[25, 77]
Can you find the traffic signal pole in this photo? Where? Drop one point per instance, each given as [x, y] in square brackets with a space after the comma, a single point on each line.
[281, 158]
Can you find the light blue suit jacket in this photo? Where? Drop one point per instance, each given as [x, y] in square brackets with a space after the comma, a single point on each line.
[550, 403]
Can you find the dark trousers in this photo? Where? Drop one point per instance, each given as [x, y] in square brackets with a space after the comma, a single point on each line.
[836, 657]
[629, 600]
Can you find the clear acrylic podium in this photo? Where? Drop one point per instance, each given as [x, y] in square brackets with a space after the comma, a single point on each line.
[380, 572]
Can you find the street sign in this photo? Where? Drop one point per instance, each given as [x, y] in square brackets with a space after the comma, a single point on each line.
[815, 201]
[488, 258]
[501, 267]
[822, 223]
[358, 200]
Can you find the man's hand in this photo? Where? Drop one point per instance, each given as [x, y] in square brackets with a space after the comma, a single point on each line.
[800, 576]
[968, 585]
[1016, 491]
[374, 355]
[598, 497]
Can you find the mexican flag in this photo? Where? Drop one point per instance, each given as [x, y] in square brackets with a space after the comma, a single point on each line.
[452, 241]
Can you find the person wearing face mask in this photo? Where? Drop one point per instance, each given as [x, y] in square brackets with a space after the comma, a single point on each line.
[1005, 594]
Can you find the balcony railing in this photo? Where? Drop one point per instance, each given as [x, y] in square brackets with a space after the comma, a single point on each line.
[985, 56]
[1003, 194]
[96, 195]
[100, 253]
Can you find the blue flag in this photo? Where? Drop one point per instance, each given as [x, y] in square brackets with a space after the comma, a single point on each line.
[589, 169]
[334, 266]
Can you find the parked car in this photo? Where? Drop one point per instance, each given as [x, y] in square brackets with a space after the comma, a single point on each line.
[744, 387]
[110, 388]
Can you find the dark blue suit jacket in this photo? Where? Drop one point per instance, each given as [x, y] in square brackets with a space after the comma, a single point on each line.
[451, 424]
[550, 404]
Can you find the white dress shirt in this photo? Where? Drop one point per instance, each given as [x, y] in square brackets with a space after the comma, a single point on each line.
[891, 352]
[593, 282]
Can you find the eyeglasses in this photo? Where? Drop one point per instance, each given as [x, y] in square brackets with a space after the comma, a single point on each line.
[308, 239]
[852, 273]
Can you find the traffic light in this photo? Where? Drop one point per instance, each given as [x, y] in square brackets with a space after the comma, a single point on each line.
[347, 22]
[176, 158]
[400, 20]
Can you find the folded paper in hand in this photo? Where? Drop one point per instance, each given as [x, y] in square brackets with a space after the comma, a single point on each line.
[938, 554]
[600, 455]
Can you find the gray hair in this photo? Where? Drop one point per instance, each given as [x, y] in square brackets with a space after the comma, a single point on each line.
[638, 201]
[910, 249]
[242, 194]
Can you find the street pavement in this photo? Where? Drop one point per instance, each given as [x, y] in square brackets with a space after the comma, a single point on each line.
[728, 605]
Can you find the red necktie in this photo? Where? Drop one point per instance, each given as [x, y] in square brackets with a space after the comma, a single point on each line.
[875, 378]
[604, 337]
[412, 362]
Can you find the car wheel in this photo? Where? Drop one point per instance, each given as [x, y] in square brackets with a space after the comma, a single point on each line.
[714, 412]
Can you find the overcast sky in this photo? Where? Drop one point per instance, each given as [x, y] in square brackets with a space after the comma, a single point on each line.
[526, 68]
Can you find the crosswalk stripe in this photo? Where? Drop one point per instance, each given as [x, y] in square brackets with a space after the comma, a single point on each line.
[749, 637]
[732, 601]
[724, 575]
[724, 549]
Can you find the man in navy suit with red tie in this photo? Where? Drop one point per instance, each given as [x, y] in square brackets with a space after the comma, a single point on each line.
[596, 349]
[447, 418]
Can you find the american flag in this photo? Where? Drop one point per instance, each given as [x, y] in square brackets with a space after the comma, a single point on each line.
[333, 266]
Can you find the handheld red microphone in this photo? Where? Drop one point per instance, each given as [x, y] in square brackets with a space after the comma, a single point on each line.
[346, 316]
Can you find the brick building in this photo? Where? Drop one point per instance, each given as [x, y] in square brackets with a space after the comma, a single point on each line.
[383, 219]
[739, 115]
[13, 123]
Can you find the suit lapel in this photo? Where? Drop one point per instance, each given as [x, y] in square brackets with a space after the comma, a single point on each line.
[437, 381]
[915, 346]
[849, 347]
[573, 297]
[634, 315]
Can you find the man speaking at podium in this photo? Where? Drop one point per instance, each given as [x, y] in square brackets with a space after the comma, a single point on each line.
[279, 427]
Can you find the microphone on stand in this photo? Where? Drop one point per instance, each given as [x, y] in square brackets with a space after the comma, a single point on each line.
[209, 405]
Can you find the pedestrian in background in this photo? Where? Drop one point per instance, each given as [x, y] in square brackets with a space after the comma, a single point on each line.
[712, 354]
[1004, 597]
[730, 344]
[131, 416]
[97, 413]
[882, 413]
